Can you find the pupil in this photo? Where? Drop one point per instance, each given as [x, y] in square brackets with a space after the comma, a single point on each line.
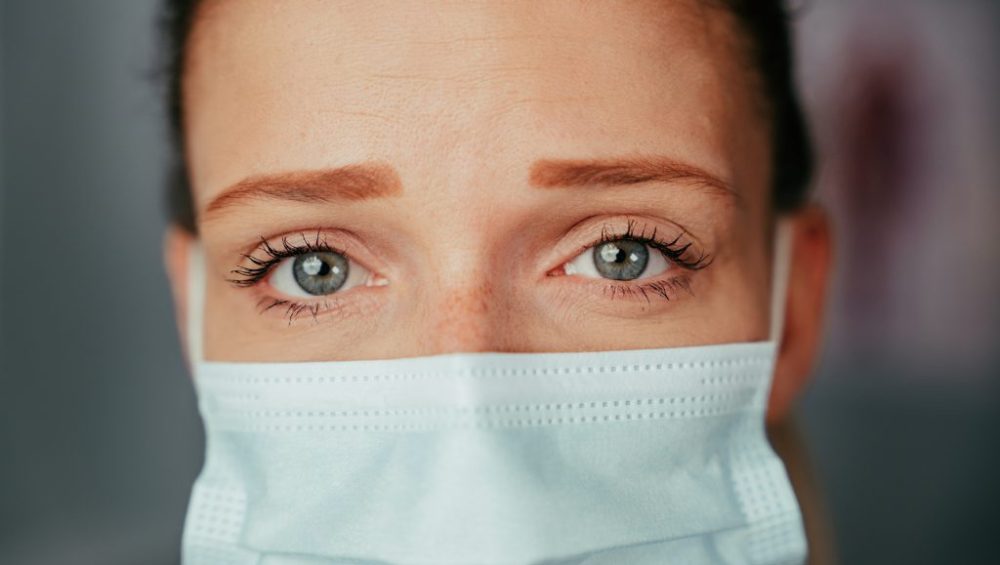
[611, 253]
[624, 259]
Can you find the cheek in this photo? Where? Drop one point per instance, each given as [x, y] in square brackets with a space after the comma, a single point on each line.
[226, 328]
[741, 302]
[743, 314]
[236, 330]
[233, 329]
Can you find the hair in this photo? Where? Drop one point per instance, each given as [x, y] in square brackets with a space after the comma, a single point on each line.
[765, 23]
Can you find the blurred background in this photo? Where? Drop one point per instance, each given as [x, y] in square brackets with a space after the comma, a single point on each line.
[99, 434]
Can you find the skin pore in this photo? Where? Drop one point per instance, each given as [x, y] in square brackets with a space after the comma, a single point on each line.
[461, 155]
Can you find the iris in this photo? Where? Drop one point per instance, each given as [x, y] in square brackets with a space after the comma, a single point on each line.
[622, 260]
[320, 273]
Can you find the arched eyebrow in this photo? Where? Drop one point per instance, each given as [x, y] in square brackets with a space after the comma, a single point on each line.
[372, 180]
[362, 181]
[569, 173]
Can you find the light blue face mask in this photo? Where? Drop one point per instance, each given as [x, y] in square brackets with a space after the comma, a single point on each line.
[626, 457]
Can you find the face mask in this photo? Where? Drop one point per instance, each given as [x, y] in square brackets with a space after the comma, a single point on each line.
[626, 456]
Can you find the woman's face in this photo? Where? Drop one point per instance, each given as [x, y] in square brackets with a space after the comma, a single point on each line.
[441, 176]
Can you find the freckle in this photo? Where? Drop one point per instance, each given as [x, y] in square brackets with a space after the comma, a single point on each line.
[465, 311]
[474, 302]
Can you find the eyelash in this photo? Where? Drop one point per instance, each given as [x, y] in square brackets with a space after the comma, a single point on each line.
[675, 253]
[260, 268]
[251, 275]
[662, 289]
[670, 249]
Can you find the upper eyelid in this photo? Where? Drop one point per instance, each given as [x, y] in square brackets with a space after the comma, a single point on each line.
[612, 226]
[607, 236]
[338, 239]
[570, 247]
[286, 247]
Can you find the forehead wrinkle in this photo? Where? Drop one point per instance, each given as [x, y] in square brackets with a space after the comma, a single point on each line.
[699, 16]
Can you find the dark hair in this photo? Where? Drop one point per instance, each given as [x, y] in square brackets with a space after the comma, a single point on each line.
[178, 15]
[764, 21]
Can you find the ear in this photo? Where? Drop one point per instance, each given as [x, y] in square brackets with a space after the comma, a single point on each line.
[176, 245]
[809, 271]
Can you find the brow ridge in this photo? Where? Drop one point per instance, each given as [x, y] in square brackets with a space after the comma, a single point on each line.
[567, 173]
[356, 182]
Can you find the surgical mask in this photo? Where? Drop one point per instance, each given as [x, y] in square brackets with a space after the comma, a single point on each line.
[623, 456]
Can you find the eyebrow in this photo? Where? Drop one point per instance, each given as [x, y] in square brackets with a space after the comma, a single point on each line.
[372, 180]
[362, 181]
[565, 173]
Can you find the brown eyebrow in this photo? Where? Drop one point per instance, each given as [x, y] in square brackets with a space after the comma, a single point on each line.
[363, 181]
[562, 173]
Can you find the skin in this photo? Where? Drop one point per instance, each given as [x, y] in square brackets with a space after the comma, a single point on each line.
[468, 111]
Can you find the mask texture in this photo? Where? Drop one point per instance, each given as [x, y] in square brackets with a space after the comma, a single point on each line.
[635, 456]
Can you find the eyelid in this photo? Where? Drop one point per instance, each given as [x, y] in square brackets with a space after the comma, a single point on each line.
[259, 262]
[589, 232]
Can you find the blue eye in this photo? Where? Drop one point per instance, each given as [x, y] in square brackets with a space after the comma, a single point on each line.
[320, 273]
[623, 259]
[317, 273]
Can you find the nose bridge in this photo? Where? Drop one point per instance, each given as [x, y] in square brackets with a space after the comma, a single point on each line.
[461, 305]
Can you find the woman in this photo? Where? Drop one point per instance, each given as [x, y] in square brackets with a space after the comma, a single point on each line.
[376, 192]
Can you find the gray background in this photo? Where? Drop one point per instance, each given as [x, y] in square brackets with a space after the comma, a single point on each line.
[99, 436]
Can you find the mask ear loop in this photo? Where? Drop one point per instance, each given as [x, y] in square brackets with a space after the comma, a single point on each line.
[195, 302]
[779, 277]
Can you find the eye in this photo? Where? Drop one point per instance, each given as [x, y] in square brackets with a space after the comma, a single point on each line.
[621, 259]
[317, 273]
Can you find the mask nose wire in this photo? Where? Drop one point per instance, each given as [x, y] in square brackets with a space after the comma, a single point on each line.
[195, 302]
[779, 277]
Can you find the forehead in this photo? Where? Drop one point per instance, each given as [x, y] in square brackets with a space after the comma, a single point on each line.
[461, 87]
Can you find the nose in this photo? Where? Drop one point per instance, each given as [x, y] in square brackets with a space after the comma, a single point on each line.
[463, 286]
[465, 317]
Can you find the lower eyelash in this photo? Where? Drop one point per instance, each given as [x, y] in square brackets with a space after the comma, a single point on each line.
[664, 289]
[293, 310]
